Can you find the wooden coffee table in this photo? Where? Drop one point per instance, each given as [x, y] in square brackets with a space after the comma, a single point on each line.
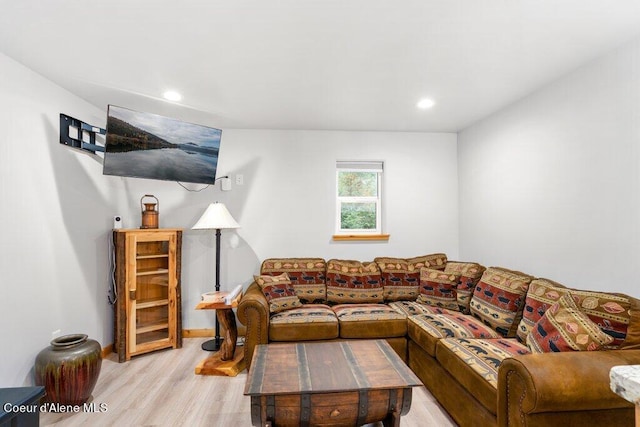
[351, 382]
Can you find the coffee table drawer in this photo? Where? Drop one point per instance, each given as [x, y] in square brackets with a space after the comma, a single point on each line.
[347, 408]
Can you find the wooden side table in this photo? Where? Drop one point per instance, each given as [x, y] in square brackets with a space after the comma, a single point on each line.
[229, 360]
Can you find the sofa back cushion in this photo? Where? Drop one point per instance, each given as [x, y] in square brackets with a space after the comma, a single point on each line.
[353, 282]
[563, 327]
[438, 288]
[307, 276]
[498, 299]
[610, 311]
[401, 276]
[470, 273]
[542, 294]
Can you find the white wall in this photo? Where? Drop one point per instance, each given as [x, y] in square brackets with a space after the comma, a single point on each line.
[55, 216]
[286, 205]
[57, 211]
[551, 185]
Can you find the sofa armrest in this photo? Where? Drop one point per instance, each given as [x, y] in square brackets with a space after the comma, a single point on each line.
[559, 382]
[253, 312]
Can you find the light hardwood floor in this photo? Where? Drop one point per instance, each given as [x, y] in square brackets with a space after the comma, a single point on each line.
[161, 389]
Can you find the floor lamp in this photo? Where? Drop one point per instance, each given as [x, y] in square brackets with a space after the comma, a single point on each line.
[215, 217]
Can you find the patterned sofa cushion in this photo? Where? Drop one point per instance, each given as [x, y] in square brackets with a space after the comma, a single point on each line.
[307, 276]
[467, 360]
[370, 321]
[307, 323]
[498, 299]
[610, 311]
[438, 289]
[279, 293]
[563, 327]
[353, 282]
[427, 329]
[411, 308]
[470, 273]
[401, 277]
[541, 295]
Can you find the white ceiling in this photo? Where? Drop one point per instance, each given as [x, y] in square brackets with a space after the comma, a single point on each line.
[312, 64]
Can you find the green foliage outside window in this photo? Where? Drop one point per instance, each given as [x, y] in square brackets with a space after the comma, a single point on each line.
[357, 184]
[358, 216]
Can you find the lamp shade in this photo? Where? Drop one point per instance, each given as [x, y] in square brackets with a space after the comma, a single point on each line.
[216, 216]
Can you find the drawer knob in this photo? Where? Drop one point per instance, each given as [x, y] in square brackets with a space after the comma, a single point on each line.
[335, 413]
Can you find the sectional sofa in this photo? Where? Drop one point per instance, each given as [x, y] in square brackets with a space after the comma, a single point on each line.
[494, 346]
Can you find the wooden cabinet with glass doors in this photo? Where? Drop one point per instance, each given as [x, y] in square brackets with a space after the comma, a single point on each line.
[148, 307]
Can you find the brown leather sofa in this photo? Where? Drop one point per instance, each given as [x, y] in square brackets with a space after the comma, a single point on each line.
[472, 356]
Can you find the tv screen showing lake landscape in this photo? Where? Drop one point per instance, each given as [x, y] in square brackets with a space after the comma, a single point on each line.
[145, 145]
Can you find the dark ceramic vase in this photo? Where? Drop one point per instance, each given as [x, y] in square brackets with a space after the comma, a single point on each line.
[69, 369]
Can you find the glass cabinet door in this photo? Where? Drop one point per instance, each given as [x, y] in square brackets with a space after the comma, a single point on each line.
[151, 291]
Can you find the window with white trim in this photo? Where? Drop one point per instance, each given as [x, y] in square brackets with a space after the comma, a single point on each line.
[359, 197]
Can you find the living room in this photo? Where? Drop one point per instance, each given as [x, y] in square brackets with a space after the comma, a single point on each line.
[546, 183]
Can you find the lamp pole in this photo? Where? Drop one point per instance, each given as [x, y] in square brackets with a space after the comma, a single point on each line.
[215, 217]
[214, 344]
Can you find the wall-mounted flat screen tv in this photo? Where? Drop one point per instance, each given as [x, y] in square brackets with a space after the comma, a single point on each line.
[145, 145]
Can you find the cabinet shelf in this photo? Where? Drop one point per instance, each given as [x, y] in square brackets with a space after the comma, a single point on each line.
[152, 303]
[151, 272]
[152, 327]
[152, 256]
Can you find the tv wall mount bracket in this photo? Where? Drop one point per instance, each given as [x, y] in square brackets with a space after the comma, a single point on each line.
[78, 134]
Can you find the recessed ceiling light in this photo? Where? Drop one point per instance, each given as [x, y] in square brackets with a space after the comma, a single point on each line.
[425, 103]
[172, 95]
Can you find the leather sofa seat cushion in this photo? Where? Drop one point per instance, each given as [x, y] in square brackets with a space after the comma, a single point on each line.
[307, 323]
[370, 321]
[411, 308]
[307, 276]
[474, 364]
[427, 329]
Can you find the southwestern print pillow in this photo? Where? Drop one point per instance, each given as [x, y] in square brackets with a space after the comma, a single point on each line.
[498, 299]
[307, 276]
[279, 293]
[401, 277]
[563, 327]
[470, 273]
[353, 282]
[438, 289]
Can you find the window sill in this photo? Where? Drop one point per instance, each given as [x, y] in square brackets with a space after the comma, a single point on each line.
[364, 237]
